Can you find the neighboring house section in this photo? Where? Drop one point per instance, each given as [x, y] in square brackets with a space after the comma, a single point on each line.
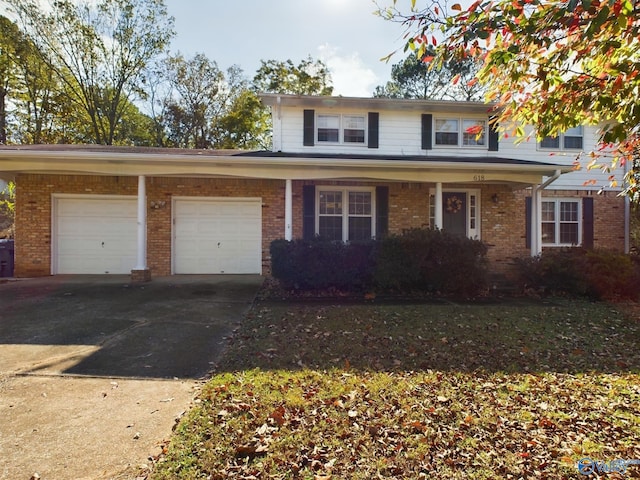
[347, 169]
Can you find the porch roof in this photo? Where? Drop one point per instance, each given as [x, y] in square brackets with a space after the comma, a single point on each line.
[135, 161]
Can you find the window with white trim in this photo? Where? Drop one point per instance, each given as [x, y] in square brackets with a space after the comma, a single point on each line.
[341, 129]
[448, 132]
[561, 222]
[345, 214]
[572, 139]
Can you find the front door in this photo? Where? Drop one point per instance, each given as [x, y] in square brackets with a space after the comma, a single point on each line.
[454, 215]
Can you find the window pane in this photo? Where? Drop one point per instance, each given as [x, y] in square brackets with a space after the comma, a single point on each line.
[569, 233]
[330, 228]
[446, 138]
[446, 132]
[353, 129]
[360, 203]
[568, 211]
[359, 228]
[573, 142]
[328, 128]
[548, 233]
[328, 121]
[330, 203]
[548, 211]
[471, 138]
[550, 142]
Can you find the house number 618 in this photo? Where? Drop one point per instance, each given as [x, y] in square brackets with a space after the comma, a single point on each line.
[478, 178]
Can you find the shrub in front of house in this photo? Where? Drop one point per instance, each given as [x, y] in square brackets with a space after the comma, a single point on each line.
[320, 264]
[599, 274]
[419, 260]
[431, 261]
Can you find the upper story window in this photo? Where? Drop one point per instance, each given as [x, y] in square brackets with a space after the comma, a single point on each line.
[572, 139]
[341, 129]
[460, 132]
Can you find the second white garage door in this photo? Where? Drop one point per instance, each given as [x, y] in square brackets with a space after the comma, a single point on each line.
[218, 235]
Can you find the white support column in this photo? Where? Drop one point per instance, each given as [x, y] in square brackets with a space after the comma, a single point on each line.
[288, 210]
[438, 206]
[142, 225]
[536, 215]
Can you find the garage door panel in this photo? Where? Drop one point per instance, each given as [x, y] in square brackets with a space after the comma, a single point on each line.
[95, 235]
[217, 236]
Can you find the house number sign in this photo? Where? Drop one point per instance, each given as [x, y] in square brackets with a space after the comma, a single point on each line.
[478, 178]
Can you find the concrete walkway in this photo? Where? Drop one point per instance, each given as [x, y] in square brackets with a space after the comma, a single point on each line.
[95, 371]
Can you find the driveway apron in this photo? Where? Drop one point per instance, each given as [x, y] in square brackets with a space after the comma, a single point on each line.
[94, 370]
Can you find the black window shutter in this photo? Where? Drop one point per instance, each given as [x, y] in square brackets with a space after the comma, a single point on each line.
[374, 130]
[587, 222]
[309, 133]
[493, 137]
[427, 131]
[382, 211]
[308, 212]
[527, 221]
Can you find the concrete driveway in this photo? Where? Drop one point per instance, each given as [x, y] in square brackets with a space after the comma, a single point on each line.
[94, 370]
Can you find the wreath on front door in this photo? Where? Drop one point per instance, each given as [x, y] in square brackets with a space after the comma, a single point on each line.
[454, 204]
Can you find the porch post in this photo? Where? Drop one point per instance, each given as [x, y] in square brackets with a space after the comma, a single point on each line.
[438, 201]
[536, 233]
[288, 210]
[140, 272]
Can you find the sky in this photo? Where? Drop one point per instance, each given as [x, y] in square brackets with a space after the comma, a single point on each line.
[344, 34]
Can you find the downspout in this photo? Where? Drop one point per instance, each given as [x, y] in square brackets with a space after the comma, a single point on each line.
[536, 213]
[279, 117]
[627, 216]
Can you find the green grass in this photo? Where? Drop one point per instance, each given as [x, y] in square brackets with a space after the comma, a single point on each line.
[519, 390]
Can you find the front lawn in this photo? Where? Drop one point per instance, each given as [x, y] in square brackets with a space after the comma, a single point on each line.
[478, 391]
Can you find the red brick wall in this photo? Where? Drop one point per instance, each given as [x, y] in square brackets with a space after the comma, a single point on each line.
[33, 212]
[502, 222]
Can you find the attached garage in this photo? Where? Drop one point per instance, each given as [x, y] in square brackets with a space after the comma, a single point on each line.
[217, 235]
[94, 234]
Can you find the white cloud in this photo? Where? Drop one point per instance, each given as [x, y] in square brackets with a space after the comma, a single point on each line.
[350, 76]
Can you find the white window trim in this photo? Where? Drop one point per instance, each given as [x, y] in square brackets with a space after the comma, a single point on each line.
[460, 121]
[341, 128]
[345, 207]
[557, 222]
[474, 233]
[561, 146]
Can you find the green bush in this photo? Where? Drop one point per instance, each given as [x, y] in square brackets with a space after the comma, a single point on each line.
[599, 274]
[418, 260]
[433, 261]
[320, 264]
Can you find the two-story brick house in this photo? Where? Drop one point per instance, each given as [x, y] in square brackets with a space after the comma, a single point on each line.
[342, 168]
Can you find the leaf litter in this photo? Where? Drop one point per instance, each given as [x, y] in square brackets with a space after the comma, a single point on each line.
[516, 391]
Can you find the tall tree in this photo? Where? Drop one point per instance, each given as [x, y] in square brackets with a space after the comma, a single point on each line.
[554, 64]
[9, 40]
[189, 111]
[98, 50]
[414, 78]
[309, 77]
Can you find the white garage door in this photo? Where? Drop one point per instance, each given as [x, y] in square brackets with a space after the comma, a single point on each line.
[214, 236]
[95, 235]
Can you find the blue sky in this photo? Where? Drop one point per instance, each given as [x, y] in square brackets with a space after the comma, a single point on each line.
[345, 34]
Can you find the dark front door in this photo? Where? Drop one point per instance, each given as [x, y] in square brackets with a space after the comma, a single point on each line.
[454, 218]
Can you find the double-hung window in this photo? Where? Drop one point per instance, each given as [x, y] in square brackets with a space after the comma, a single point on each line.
[348, 129]
[560, 222]
[345, 214]
[456, 132]
[572, 139]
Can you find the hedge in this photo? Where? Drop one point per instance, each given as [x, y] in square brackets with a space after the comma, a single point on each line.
[419, 260]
